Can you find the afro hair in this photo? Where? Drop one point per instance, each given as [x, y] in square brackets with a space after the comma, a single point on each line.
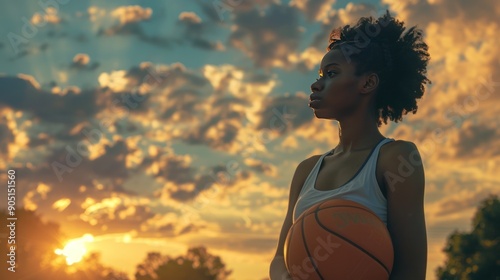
[398, 58]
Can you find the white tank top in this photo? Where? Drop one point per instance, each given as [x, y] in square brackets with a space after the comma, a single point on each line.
[362, 188]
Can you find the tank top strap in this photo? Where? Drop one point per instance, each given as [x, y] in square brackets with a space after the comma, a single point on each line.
[379, 145]
[371, 162]
[313, 173]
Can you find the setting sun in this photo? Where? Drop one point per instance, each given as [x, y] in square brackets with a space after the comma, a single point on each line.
[75, 249]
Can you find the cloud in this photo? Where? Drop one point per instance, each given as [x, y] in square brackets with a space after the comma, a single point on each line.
[307, 59]
[92, 190]
[81, 61]
[39, 193]
[15, 140]
[190, 18]
[181, 181]
[111, 162]
[134, 28]
[175, 169]
[235, 81]
[233, 98]
[61, 204]
[95, 13]
[220, 11]
[353, 12]
[142, 78]
[207, 45]
[130, 19]
[476, 140]
[76, 161]
[172, 225]
[45, 19]
[425, 12]
[116, 80]
[219, 131]
[261, 167]
[240, 6]
[214, 104]
[452, 206]
[252, 245]
[267, 38]
[31, 81]
[24, 93]
[50, 16]
[316, 10]
[340, 17]
[284, 114]
[131, 14]
[193, 31]
[117, 213]
[6, 137]
[459, 206]
[26, 49]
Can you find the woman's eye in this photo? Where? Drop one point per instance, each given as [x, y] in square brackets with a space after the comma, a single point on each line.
[330, 73]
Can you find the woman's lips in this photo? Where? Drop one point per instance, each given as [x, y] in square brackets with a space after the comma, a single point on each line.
[314, 103]
[314, 100]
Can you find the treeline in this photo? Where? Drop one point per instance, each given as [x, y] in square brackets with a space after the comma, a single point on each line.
[35, 258]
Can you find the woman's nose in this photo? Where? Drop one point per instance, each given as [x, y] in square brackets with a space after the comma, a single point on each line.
[315, 86]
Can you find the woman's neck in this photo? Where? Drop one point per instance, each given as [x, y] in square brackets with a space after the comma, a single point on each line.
[355, 137]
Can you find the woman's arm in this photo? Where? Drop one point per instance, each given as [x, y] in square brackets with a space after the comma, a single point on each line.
[404, 181]
[277, 269]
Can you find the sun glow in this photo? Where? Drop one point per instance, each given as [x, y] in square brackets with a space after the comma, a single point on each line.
[75, 249]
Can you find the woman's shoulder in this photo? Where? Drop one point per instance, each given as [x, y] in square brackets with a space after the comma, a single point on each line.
[308, 163]
[397, 151]
[305, 166]
[397, 146]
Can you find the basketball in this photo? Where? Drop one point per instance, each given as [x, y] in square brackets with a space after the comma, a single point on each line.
[338, 239]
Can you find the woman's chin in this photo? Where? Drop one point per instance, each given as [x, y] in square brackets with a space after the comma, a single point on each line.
[323, 114]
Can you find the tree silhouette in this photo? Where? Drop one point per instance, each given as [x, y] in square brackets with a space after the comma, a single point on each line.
[35, 256]
[35, 242]
[475, 255]
[198, 264]
[91, 268]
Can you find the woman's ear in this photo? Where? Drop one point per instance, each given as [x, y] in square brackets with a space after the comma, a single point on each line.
[369, 83]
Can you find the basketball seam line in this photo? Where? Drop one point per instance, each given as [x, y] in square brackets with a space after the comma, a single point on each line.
[313, 261]
[362, 208]
[349, 241]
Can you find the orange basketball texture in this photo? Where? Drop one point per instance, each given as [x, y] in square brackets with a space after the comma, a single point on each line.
[338, 239]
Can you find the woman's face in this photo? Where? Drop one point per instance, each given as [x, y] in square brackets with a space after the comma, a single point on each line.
[337, 87]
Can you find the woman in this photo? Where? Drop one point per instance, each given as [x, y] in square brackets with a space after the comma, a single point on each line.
[372, 72]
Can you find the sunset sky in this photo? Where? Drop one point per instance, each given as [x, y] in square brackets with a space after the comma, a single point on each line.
[160, 125]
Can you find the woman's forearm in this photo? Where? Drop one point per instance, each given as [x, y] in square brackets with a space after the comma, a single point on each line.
[278, 271]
